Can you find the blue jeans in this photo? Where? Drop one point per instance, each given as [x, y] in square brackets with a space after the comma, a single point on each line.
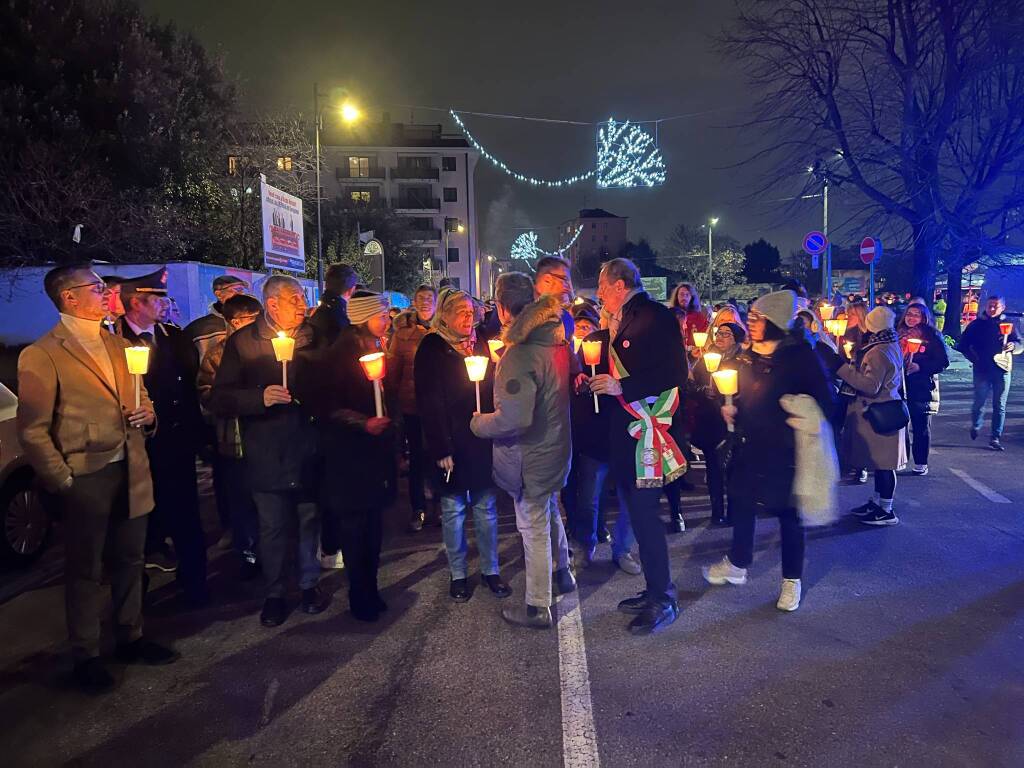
[590, 477]
[485, 520]
[998, 384]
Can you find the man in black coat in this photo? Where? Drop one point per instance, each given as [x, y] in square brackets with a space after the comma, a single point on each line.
[279, 436]
[207, 330]
[332, 314]
[171, 383]
[360, 472]
[648, 377]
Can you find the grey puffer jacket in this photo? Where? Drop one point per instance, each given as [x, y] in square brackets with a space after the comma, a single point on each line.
[530, 424]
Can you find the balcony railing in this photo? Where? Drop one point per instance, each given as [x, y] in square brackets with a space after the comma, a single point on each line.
[375, 202]
[416, 203]
[411, 172]
[374, 172]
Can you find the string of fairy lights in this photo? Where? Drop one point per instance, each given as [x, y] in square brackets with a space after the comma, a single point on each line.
[525, 247]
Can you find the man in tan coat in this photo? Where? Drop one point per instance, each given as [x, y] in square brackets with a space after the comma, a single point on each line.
[86, 441]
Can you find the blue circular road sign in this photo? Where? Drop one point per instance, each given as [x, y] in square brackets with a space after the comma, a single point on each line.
[815, 243]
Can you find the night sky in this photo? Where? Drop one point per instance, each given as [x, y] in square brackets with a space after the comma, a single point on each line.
[574, 60]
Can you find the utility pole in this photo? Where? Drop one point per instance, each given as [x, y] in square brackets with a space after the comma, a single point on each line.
[319, 229]
[826, 266]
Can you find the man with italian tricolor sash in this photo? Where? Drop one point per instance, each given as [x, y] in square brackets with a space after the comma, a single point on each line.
[642, 393]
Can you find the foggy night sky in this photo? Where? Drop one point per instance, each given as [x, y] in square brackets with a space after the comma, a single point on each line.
[566, 59]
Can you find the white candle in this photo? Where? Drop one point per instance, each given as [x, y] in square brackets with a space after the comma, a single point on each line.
[284, 350]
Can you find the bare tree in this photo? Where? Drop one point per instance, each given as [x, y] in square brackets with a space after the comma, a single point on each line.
[686, 253]
[916, 104]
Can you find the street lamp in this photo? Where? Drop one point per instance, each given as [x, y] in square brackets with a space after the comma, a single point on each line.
[711, 223]
[349, 113]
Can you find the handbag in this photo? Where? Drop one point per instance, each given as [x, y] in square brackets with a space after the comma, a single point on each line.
[890, 417]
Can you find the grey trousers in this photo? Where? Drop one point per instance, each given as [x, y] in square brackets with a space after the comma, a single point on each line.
[544, 544]
[98, 530]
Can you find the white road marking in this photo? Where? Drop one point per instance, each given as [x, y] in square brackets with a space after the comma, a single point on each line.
[579, 737]
[984, 490]
[268, 702]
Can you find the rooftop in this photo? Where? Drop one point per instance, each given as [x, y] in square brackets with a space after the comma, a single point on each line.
[388, 134]
[598, 213]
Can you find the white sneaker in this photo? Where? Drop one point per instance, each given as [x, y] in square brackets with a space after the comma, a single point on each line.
[332, 562]
[789, 597]
[724, 572]
[920, 469]
[629, 564]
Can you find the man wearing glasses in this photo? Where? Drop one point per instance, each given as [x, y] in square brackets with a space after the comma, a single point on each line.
[86, 441]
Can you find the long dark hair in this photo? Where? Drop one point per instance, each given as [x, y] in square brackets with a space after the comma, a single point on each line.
[694, 298]
[926, 314]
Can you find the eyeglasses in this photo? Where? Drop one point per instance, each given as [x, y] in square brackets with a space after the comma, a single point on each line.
[98, 287]
[723, 332]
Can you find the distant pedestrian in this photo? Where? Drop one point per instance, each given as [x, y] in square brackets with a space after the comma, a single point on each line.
[692, 315]
[86, 441]
[410, 328]
[874, 436]
[981, 342]
[205, 331]
[532, 442]
[779, 362]
[460, 463]
[331, 315]
[922, 376]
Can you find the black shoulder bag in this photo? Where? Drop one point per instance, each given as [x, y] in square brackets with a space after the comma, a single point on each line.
[890, 417]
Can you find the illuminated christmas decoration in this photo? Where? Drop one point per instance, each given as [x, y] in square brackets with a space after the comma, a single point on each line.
[627, 157]
[514, 174]
[524, 247]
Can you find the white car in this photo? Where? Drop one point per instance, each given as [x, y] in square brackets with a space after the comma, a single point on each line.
[26, 523]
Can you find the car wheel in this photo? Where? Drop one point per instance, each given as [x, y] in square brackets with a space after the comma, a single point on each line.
[26, 523]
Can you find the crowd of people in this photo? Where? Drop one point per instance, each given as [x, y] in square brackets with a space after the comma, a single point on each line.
[582, 398]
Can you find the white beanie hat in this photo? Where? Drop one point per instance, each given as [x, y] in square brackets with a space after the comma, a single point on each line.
[879, 319]
[363, 306]
[779, 307]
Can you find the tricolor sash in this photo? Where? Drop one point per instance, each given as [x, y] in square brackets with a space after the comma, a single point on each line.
[659, 460]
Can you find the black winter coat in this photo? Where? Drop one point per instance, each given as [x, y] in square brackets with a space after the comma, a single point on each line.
[981, 341]
[923, 386]
[447, 399]
[280, 442]
[360, 469]
[330, 317]
[650, 348]
[589, 429]
[171, 384]
[764, 458]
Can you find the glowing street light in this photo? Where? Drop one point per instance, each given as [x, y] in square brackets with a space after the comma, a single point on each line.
[711, 224]
[350, 112]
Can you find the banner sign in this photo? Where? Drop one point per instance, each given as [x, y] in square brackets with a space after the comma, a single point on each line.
[656, 287]
[283, 246]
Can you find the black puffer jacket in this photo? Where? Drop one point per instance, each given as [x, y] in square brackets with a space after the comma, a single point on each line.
[932, 359]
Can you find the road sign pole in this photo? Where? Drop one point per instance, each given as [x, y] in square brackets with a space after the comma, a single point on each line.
[871, 284]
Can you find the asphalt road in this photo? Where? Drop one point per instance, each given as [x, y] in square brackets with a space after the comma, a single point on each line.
[907, 650]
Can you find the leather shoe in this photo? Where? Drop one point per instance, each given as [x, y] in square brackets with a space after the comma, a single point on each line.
[634, 605]
[654, 618]
[92, 676]
[603, 535]
[459, 590]
[527, 616]
[494, 583]
[563, 582]
[145, 651]
[274, 612]
[314, 601]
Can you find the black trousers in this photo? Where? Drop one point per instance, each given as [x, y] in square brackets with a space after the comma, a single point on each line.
[361, 535]
[417, 457]
[649, 529]
[97, 530]
[283, 514]
[176, 514]
[239, 506]
[716, 480]
[672, 492]
[743, 512]
[921, 425]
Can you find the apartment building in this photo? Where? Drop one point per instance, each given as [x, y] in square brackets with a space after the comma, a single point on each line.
[421, 173]
[602, 236]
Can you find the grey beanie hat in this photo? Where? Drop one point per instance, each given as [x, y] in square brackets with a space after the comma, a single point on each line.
[879, 319]
[779, 307]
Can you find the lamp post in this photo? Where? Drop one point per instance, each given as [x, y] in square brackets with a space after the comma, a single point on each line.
[490, 276]
[711, 224]
[349, 113]
[447, 231]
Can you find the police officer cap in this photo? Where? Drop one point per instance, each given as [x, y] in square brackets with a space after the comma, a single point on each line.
[154, 282]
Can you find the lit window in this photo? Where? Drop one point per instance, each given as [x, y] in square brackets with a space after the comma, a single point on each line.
[232, 165]
[360, 196]
[358, 167]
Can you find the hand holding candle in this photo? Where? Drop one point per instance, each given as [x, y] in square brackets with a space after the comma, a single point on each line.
[373, 367]
[592, 356]
[727, 382]
[138, 364]
[284, 350]
[476, 367]
[1006, 329]
[913, 347]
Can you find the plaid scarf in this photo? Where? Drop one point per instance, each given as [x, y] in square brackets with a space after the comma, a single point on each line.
[446, 303]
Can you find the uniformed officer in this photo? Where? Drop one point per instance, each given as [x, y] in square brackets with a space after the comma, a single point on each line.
[173, 365]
